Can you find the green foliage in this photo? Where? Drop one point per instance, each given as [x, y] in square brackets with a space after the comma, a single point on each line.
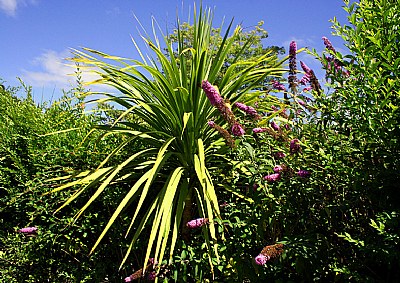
[169, 173]
[341, 223]
[29, 155]
[162, 165]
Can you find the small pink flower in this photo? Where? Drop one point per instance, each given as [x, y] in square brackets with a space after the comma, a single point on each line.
[128, 279]
[278, 169]
[211, 123]
[259, 130]
[261, 259]
[196, 223]
[272, 177]
[237, 130]
[28, 230]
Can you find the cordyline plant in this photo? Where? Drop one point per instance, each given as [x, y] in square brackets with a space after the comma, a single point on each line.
[166, 97]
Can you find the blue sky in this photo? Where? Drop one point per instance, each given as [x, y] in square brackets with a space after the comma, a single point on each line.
[36, 34]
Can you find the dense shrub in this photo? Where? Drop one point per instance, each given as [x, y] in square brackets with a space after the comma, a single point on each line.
[341, 221]
[313, 188]
[29, 156]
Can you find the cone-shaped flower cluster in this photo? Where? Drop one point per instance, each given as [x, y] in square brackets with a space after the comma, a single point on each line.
[217, 101]
[237, 130]
[332, 60]
[307, 76]
[212, 94]
[275, 126]
[28, 230]
[328, 44]
[292, 65]
[139, 274]
[259, 130]
[261, 259]
[196, 223]
[268, 253]
[278, 86]
[247, 109]
[272, 177]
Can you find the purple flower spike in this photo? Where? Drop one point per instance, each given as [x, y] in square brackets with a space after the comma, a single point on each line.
[241, 106]
[272, 177]
[292, 48]
[294, 146]
[196, 223]
[305, 79]
[259, 130]
[328, 44]
[28, 230]
[211, 93]
[305, 68]
[248, 109]
[278, 86]
[292, 65]
[275, 126]
[261, 259]
[303, 173]
[237, 130]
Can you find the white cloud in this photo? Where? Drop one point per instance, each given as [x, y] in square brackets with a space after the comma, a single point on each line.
[52, 70]
[10, 6]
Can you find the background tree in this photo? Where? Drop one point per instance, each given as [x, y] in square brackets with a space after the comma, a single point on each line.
[249, 43]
